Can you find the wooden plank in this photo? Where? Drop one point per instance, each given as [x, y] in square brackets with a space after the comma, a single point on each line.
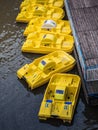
[83, 3]
[85, 23]
[85, 38]
[89, 88]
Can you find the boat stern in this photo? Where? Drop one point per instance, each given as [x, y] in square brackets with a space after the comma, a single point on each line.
[45, 109]
[21, 72]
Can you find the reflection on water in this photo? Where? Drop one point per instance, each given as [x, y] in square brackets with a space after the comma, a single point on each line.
[18, 106]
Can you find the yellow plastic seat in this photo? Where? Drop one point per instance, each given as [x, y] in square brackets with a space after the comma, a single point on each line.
[48, 25]
[60, 97]
[41, 69]
[32, 12]
[42, 42]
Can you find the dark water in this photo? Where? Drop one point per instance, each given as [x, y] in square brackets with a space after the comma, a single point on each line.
[18, 106]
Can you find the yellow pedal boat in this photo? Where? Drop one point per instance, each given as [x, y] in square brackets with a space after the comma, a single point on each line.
[60, 97]
[33, 12]
[42, 42]
[41, 69]
[50, 25]
[55, 3]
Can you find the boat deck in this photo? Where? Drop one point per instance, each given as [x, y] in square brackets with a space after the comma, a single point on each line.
[83, 15]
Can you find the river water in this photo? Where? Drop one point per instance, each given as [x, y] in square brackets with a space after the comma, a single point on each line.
[18, 105]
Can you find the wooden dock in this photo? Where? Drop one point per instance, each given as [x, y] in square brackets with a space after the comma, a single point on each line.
[83, 16]
[90, 88]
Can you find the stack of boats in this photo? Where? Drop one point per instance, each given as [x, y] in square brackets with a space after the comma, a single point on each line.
[46, 33]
